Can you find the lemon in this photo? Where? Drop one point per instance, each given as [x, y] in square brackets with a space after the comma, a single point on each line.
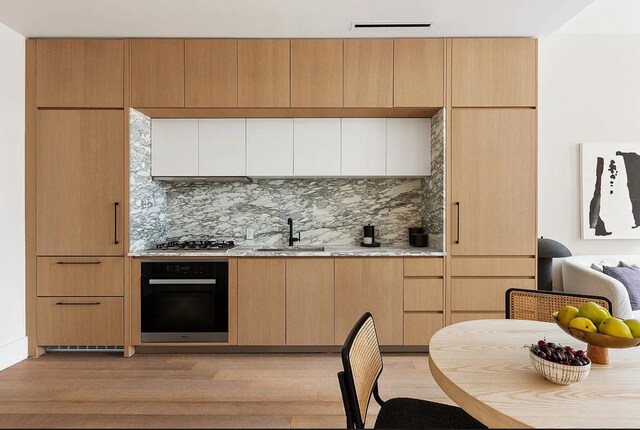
[615, 327]
[634, 326]
[594, 312]
[566, 314]
[582, 323]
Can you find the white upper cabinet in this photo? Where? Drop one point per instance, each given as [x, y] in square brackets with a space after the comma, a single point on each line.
[364, 146]
[408, 146]
[174, 148]
[222, 147]
[269, 147]
[316, 147]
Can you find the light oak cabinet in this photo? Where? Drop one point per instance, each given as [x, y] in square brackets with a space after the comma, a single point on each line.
[157, 73]
[368, 73]
[370, 285]
[211, 73]
[494, 72]
[419, 327]
[263, 73]
[80, 276]
[261, 301]
[418, 72]
[316, 73]
[80, 73]
[79, 176]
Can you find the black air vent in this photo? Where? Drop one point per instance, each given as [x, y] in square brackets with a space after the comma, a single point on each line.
[358, 25]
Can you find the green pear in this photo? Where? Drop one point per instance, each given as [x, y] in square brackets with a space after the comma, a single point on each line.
[594, 312]
[634, 326]
[584, 324]
[566, 314]
[615, 327]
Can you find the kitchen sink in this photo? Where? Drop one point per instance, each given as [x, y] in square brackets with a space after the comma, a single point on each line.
[293, 249]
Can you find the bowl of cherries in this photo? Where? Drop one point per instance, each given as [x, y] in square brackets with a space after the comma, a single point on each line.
[559, 364]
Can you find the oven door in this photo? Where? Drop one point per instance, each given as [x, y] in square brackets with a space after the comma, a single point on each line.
[184, 310]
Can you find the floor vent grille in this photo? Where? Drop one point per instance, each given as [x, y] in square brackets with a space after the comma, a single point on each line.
[81, 348]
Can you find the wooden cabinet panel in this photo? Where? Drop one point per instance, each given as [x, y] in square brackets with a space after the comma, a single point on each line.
[408, 146]
[493, 266]
[418, 72]
[211, 73]
[222, 147]
[310, 301]
[316, 73]
[364, 146]
[80, 73]
[423, 294]
[174, 147]
[457, 317]
[419, 327]
[494, 72]
[261, 301]
[484, 294]
[368, 73]
[263, 73]
[85, 321]
[79, 210]
[157, 73]
[316, 146]
[270, 147]
[80, 276]
[424, 266]
[370, 285]
[493, 182]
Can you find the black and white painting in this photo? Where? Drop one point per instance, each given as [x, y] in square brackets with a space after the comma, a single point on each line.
[610, 191]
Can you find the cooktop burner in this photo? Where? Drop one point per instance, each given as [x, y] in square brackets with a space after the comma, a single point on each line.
[196, 245]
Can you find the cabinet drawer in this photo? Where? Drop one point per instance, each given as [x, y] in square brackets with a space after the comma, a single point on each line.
[419, 327]
[80, 276]
[484, 294]
[423, 294]
[423, 266]
[493, 266]
[469, 316]
[89, 321]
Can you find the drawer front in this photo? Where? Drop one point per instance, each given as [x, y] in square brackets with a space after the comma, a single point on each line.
[484, 294]
[80, 276]
[419, 327]
[433, 266]
[493, 266]
[423, 294]
[457, 317]
[90, 321]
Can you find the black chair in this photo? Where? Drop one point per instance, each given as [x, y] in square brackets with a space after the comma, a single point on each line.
[362, 364]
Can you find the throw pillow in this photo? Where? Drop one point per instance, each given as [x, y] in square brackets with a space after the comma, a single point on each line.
[623, 264]
[599, 266]
[630, 278]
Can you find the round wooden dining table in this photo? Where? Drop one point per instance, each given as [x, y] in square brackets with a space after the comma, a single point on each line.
[485, 368]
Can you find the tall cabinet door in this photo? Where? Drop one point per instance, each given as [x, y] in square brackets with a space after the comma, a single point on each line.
[79, 182]
[493, 182]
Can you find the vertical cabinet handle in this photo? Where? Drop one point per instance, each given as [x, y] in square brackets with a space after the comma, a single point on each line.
[115, 223]
[458, 224]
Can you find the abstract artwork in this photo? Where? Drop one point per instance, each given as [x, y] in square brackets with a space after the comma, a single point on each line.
[610, 191]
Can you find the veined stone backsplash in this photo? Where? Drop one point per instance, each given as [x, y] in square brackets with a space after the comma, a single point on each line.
[325, 211]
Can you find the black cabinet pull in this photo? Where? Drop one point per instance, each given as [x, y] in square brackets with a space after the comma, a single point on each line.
[115, 223]
[77, 303]
[79, 262]
[458, 222]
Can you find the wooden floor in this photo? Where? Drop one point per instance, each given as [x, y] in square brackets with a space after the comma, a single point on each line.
[165, 391]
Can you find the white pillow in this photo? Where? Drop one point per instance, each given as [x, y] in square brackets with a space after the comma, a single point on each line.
[631, 265]
[598, 266]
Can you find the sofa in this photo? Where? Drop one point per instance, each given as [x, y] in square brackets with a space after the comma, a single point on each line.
[578, 277]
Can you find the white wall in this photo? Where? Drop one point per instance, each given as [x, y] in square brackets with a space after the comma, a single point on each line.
[13, 343]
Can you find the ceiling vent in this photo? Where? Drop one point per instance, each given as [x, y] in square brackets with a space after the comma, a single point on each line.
[388, 25]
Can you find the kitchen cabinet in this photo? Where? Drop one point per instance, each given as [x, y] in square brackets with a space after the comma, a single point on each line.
[263, 73]
[261, 301]
[211, 73]
[368, 73]
[419, 327]
[418, 72]
[310, 301]
[494, 266]
[424, 266]
[423, 294]
[80, 73]
[364, 146]
[484, 294]
[174, 147]
[494, 72]
[457, 317]
[79, 178]
[269, 147]
[157, 73]
[316, 73]
[369, 285]
[222, 147]
[408, 147]
[80, 276]
[316, 146]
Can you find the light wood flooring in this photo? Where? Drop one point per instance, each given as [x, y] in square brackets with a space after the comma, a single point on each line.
[196, 391]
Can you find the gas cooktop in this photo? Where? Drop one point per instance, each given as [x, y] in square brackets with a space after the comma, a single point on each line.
[196, 245]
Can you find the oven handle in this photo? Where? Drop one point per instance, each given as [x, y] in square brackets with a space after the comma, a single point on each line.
[182, 281]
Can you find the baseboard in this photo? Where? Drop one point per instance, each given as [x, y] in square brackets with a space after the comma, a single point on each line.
[13, 352]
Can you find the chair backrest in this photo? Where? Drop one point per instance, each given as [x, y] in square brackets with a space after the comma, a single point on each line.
[362, 364]
[535, 305]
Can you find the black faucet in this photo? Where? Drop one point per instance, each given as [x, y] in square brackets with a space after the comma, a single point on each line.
[291, 238]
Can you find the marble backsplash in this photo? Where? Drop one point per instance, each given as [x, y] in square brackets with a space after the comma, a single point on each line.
[432, 210]
[325, 211]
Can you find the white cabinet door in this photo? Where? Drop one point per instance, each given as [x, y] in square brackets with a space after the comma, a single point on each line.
[174, 147]
[269, 147]
[363, 146]
[408, 146]
[222, 147]
[316, 147]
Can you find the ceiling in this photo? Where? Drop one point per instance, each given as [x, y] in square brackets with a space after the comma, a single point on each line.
[283, 18]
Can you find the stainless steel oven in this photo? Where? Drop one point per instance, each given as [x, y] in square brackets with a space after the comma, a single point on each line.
[185, 301]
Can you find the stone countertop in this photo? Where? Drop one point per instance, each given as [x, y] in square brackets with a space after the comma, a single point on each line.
[329, 251]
